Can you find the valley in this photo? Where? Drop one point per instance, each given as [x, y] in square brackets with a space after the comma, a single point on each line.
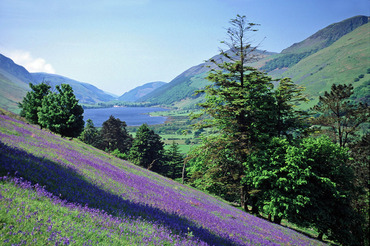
[245, 164]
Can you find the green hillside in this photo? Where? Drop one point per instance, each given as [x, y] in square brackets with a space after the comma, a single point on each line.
[320, 40]
[15, 79]
[140, 91]
[345, 61]
[180, 91]
[55, 191]
[85, 93]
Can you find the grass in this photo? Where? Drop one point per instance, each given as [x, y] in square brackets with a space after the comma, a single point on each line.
[340, 63]
[60, 191]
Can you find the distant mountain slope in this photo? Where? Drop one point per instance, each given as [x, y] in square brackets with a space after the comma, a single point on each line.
[140, 91]
[185, 84]
[14, 80]
[345, 61]
[85, 93]
[321, 39]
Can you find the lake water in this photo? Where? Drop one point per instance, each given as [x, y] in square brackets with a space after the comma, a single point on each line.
[133, 116]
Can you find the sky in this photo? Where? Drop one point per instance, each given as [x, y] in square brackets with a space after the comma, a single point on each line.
[117, 45]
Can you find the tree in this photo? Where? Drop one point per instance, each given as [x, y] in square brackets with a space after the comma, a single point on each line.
[341, 117]
[61, 113]
[147, 150]
[214, 167]
[290, 121]
[174, 161]
[115, 136]
[239, 101]
[324, 199]
[33, 101]
[90, 134]
[310, 184]
[360, 153]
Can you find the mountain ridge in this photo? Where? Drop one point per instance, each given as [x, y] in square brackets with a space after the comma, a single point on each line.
[84, 92]
[140, 91]
[15, 79]
[317, 41]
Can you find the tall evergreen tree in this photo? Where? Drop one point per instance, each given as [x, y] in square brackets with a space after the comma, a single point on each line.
[174, 161]
[61, 113]
[290, 121]
[147, 150]
[339, 115]
[90, 134]
[33, 101]
[115, 136]
[239, 101]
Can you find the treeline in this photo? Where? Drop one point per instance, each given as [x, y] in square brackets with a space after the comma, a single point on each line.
[146, 149]
[60, 113]
[120, 104]
[285, 60]
[274, 160]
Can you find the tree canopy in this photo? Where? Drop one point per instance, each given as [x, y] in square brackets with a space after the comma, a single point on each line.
[147, 149]
[341, 117]
[114, 136]
[33, 101]
[61, 113]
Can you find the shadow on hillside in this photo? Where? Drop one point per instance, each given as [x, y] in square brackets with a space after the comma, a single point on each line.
[66, 183]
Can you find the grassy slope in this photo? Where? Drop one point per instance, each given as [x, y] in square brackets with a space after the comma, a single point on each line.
[339, 63]
[90, 195]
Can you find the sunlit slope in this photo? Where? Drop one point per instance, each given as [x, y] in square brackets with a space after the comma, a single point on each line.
[96, 197]
[342, 62]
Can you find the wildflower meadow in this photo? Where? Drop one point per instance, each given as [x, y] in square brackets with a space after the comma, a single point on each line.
[57, 191]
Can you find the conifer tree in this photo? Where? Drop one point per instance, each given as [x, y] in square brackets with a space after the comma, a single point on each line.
[90, 134]
[341, 116]
[239, 101]
[147, 150]
[174, 161]
[115, 136]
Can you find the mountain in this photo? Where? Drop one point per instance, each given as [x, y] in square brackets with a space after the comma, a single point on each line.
[345, 61]
[339, 53]
[84, 92]
[184, 85]
[63, 192]
[320, 40]
[15, 79]
[140, 91]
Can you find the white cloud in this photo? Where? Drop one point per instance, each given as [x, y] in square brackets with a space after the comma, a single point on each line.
[33, 65]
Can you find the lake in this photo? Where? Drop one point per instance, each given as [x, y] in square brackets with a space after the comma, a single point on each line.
[133, 116]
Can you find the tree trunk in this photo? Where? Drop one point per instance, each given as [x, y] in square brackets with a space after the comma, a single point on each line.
[183, 172]
[243, 202]
[254, 204]
[277, 219]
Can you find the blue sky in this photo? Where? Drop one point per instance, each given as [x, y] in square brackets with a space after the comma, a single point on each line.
[118, 45]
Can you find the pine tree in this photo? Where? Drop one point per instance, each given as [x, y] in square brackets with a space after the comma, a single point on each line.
[341, 116]
[147, 150]
[240, 102]
[289, 119]
[174, 161]
[90, 134]
[115, 136]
